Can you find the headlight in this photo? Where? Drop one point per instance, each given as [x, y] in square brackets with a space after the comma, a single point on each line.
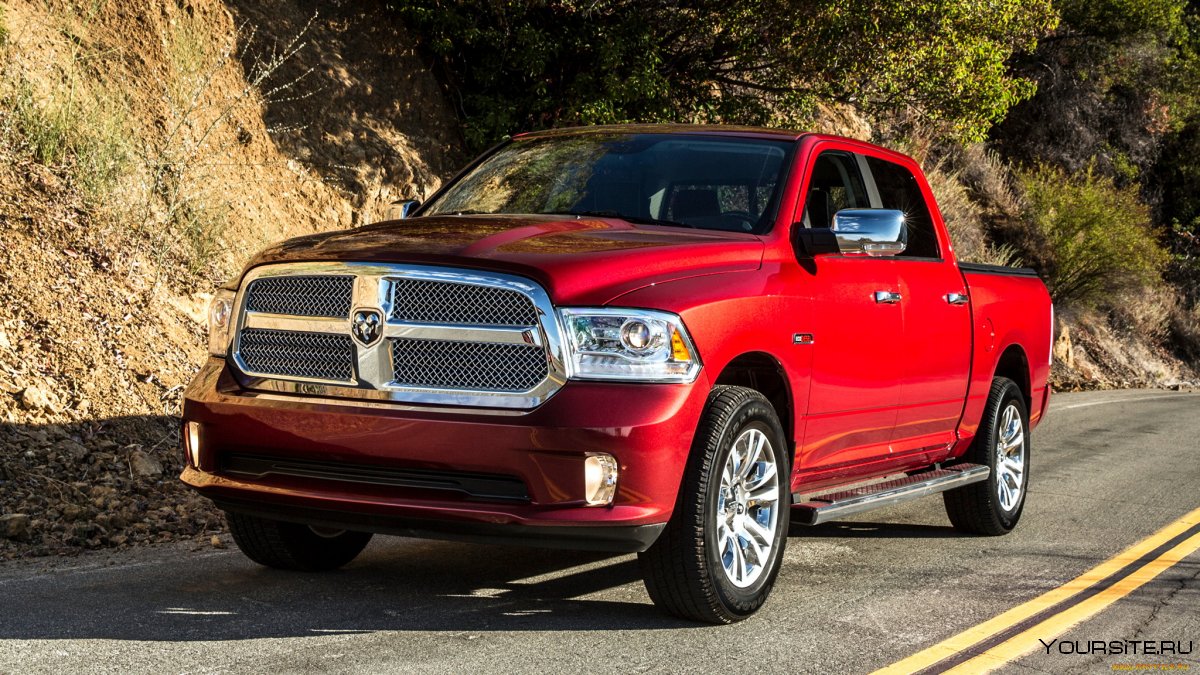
[220, 321]
[628, 344]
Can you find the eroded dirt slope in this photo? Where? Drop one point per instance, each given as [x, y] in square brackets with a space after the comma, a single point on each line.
[102, 301]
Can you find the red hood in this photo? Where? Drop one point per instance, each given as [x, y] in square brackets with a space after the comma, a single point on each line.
[584, 261]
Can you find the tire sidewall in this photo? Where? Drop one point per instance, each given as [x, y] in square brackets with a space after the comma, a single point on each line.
[1012, 394]
[753, 414]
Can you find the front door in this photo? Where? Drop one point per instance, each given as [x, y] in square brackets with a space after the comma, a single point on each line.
[855, 383]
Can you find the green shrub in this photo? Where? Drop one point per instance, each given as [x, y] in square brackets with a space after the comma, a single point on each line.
[1098, 236]
[516, 65]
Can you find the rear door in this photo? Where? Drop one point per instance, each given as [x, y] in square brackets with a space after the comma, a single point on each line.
[855, 382]
[934, 349]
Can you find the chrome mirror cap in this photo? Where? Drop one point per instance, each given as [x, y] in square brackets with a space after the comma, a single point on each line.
[873, 232]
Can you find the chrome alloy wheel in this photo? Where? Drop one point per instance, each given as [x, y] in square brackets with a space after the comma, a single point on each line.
[747, 513]
[1010, 457]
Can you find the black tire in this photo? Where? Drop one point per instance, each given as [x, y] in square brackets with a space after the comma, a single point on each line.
[291, 546]
[683, 571]
[977, 508]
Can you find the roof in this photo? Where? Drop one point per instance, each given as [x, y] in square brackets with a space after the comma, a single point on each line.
[707, 129]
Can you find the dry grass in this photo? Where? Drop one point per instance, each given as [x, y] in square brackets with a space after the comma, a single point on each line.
[185, 189]
[64, 111]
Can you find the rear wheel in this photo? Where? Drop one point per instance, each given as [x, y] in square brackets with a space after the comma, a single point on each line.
[994, 506]
[292, 546]
[718, 557]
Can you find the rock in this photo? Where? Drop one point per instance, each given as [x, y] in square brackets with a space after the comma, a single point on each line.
[143, 465]
[4, 343]
[72, 449]
[36, 398]
[14, 526]
[1063, 351]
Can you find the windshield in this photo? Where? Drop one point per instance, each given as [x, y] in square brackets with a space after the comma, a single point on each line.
[707, 182]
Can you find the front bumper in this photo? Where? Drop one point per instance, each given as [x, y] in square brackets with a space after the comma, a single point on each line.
[647, 427]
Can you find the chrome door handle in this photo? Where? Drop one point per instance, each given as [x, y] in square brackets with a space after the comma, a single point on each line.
[957, 298]
[886, 297]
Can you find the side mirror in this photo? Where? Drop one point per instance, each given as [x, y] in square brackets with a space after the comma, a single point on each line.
[873, 232]
[402, 209]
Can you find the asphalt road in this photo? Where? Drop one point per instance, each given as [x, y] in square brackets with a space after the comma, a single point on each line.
[1109, 469]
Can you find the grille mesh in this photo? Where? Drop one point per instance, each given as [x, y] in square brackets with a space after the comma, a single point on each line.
[487, 366]
[326, 295]
[318, 356]
[423, 301]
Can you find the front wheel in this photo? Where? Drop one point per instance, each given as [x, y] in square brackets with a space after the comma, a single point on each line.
[292, 546]
[718, 557]
[994, 506]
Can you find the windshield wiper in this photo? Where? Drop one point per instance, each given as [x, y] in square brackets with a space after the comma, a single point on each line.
[640, 220]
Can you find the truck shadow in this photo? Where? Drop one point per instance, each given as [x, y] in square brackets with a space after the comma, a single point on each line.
[874, 530]
[396, 585]
[178, 593]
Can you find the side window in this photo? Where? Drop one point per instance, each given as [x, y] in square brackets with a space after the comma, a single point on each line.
[898, 189]
[836, 184]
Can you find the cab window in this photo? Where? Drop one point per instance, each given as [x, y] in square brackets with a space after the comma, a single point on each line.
[836, 184]
[898, 189]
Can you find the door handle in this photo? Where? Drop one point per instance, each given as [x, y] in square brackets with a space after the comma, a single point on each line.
[887, 297]
[957, 298]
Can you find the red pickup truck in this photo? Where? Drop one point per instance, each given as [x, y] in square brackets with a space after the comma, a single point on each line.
[674, 340]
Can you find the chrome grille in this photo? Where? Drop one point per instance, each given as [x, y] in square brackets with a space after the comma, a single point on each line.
[447, 364]
[319, 356]
[425, 301]
[329, 296]
[448, 336]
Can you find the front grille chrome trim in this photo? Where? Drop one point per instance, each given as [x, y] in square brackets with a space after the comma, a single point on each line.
[374, 371]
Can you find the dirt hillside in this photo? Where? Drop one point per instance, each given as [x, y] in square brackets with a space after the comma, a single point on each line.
[272, 121]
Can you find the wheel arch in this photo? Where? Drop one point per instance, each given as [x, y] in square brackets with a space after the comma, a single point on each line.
[765, 374]
[1014, 364]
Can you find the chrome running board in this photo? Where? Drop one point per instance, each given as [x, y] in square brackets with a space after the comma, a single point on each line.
[834, 505]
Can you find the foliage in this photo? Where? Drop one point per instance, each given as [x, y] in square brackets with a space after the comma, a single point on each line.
[515, 65]
[1178, 175]
[1113, 79]
[1097, 235]
[73, 117]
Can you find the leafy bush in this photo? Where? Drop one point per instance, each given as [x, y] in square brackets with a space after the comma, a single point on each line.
[521, 64]
[1097, 236]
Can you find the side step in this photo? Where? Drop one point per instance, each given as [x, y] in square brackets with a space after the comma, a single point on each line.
[834, 505]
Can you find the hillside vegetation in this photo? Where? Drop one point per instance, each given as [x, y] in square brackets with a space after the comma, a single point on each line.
[148, 147]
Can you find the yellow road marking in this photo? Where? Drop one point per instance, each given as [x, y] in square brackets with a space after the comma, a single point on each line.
[1026, 642]
[972, 636]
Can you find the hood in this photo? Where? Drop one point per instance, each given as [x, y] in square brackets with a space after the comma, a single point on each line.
[578, 261]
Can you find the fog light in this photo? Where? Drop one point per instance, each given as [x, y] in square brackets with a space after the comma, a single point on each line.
[191, 443]
[599, 479]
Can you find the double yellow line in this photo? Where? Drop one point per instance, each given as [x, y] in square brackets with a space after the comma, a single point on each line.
[1016, 632]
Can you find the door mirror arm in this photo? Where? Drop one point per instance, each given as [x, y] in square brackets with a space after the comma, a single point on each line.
[813, 241]
[402, 209]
